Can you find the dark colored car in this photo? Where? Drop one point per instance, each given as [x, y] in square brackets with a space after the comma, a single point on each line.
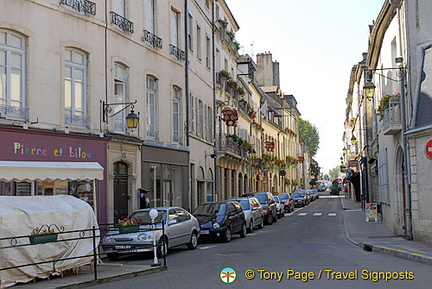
[268, 204]
[287, 201]
[299, 199]
[219, 220]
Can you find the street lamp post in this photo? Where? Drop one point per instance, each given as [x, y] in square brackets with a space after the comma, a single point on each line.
[153, 214]
[132, 118]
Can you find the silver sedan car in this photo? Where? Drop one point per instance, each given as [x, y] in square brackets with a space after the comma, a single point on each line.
[180, 228]
[253, 211]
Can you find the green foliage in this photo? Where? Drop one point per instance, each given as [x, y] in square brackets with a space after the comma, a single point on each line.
[333, 173]
[310, 135]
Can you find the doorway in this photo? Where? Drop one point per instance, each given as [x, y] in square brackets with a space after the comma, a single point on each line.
[121, 195]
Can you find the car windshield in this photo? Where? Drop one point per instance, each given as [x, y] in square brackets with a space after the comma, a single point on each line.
[262, 198]
[143, 217]
[296, 195]
[245, 204]
[283, 197]
[210, 209]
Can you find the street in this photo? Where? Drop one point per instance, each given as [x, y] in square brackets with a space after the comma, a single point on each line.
[304, 249]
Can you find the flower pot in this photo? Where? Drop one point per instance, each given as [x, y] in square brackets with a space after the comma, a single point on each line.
[129, 229]
[43, 238]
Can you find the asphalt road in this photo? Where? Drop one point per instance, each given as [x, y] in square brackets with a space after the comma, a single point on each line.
[305, 249]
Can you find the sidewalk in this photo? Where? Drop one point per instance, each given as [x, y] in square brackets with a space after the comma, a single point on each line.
[106, 273]
[376, 237]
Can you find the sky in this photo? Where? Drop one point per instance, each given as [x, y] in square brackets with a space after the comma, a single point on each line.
[316, 43]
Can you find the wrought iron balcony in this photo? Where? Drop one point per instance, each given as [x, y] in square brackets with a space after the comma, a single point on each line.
[82, 6]
[122, 23]
[177, 52]
[152, 39]
[392, 123]
[226, 145]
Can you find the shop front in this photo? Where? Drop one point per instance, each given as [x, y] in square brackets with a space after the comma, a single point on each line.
[35, 163]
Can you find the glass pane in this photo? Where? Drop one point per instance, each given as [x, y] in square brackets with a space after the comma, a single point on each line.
[16, 60]
[16, 85]
[68, 94]
[2, 84]
[68, 55]
[2, 37]
[78, 96]
[120, 72]
[2, 57]
[68, 72]
[78, 58]
[16, 41]
[79, 75]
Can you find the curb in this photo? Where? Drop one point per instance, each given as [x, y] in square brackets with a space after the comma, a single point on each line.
[416, 257]
[115, 278]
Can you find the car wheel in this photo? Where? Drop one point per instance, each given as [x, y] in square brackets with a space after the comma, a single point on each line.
[193, 242]
[251, 226]
[242, 233]
[275, 218]
[227, 236]
[261, 225]
[113, 256]
[270, 219]
[162, 248]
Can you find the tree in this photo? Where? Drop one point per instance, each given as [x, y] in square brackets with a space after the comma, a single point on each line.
[310, 135]
[333, 173]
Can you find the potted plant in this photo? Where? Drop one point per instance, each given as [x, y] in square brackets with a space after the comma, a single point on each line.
[128, 226]
[385, 102]
[43, 234]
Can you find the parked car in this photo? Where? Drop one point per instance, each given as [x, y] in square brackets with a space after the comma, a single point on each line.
[299, 198]
[180, 228]
[322, 188]
[315, 194]
[253, 211]
[220, 220]
[280, 211]
[287, 201]
[269, 206]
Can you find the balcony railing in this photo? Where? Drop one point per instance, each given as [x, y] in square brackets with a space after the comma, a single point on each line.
[9, 111]
[82, 6]
[177, 52]
[152, 39]
[225, 144]
[122, 23]
[392, 123]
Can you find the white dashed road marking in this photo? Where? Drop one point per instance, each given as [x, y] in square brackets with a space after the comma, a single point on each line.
[317, 214]
[332, 214]
[302, 214]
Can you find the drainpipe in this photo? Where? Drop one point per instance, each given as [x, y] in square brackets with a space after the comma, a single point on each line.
[187, 100]
[214, 156]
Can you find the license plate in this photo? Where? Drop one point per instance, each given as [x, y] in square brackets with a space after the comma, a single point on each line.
[205, 232]
[122, 247]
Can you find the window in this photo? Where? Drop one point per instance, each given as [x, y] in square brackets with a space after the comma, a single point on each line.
[175, 20]
[119, 7]
[218, 60]
[177, 119]
[150, 16]
[120, 78]
[208, 51]
[152, 111]
[75, 88]
[210, 123]
[12, 68]
[199, 117]
[383, 182]
[192, 114]
[198, 46]
[190, 31]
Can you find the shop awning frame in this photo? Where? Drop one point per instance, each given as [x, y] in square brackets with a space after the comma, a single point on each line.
[40, 171]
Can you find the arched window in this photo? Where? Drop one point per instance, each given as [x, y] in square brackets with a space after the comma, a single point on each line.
[152, 106]
[177, 115]
[75, 88]
[12, 74]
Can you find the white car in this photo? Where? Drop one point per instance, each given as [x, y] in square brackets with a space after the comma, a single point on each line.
[180, 228]
[280, 207]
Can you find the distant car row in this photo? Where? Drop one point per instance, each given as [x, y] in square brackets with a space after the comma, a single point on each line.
[211, 220]
[304, 197]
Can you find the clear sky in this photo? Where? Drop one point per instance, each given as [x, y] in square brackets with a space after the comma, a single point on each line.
[316, 43]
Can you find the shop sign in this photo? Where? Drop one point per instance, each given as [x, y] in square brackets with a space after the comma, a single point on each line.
[230, 116]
